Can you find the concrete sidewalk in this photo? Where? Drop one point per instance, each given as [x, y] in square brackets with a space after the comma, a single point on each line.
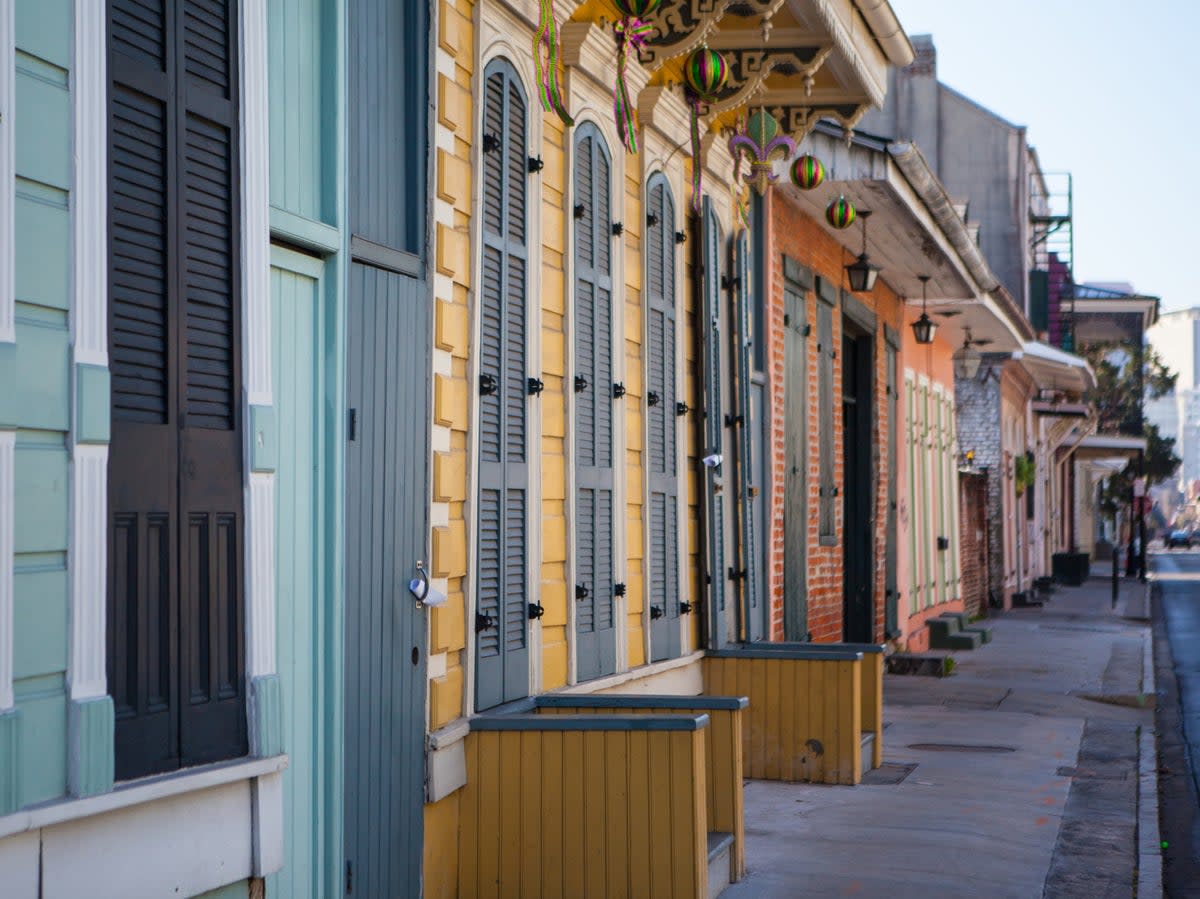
[1020, 775]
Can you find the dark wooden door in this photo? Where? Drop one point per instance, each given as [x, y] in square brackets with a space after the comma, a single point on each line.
[857, 490]
[595, 607]
[388, 370]
[891, 578]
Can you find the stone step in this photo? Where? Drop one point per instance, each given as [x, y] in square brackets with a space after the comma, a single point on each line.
[965, 625]
[720, 862]
[943, 626]
[957, 640]
[926, 664]
[985, 633]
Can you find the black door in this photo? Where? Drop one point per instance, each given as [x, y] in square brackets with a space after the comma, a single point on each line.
[858, 488]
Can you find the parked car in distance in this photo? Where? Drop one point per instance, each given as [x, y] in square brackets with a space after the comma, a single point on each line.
[1179, 538]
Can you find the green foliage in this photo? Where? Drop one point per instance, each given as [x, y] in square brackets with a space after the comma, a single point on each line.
[1024, 473]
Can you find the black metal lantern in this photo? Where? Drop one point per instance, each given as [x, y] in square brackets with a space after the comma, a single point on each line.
[924, 327]
[862, 274]
[967, 359]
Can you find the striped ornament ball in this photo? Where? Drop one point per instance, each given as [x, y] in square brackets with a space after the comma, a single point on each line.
[808, 172]
[840, 213]
[705, 71]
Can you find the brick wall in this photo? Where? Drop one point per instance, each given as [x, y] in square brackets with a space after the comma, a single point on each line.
[978, 401]
[795, 234]
[973, 518]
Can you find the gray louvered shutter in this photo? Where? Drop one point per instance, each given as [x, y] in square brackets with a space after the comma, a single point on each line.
[175, 475]
[825, 357]
[710, 284]
[795, 508]
[595, 624]
[502, 610]
[748, 427]
[663, 594]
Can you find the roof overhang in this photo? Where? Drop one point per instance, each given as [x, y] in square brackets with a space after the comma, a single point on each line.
[1109, 319]
[914, 230]
[1052, 368]
[1062, 410]
[1111, 447]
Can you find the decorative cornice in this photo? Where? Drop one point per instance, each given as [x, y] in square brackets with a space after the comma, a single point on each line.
[591, 47]
[680, 27]
[662, 107]
[750, 66]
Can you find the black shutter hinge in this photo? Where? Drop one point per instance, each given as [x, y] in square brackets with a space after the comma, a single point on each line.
[352, 424]
[579, 210]
[488, 385]
[734, 420]
[685, 608]
[535, 164]
[618, 589]
[656, 612]
[618, 390]
[491, 143]
[652, 398]
[580, 384]
[536, 610]
[349, 876]
[581, 591]
[807, 330]
[730, 283]
[681, 409]
[484, 622]
[735, 575]
[536, 386]
[651, 219]
[680, 237]
[617, 229]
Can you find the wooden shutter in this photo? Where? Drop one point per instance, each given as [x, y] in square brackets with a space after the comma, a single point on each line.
[710, 286]
[825, 356]
[748, 427]
[594, 584]
[795, 516]
[175, 604]
[662, 422]
[501, 644]
[891, 583]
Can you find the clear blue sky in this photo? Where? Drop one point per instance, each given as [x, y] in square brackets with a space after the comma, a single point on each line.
[1109, 92]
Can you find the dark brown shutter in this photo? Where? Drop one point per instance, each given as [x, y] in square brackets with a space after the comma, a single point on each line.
[502, 597]
[175, 647]
[825, 356]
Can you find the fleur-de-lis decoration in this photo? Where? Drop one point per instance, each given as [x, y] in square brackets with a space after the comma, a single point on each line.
[759, 143]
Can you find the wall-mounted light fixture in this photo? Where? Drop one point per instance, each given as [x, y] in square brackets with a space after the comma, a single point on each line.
[924, 327]
[862, 274]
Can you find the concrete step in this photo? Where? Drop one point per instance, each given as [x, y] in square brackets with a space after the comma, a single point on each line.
[720, 862]
[959, 640]
[985, 633]
[943, 626]
[927, 664]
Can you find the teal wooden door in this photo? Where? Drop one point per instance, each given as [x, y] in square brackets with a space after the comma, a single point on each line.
[304, 624]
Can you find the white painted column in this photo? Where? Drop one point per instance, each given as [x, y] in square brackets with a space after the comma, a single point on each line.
[89, 339]
[8, 169]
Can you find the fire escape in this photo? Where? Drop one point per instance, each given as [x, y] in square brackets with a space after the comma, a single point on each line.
[1052, 246]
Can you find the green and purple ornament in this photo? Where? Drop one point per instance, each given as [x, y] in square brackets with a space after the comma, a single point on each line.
[840, 213]
[760, 142]
[706, 73]
[807, 172]
[630, 31]
[545, 60]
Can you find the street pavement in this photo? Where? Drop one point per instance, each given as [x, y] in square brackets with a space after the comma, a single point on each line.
[1021, 775]
[1176, 578]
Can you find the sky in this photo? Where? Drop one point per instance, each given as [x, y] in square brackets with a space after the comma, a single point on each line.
[1109, 91]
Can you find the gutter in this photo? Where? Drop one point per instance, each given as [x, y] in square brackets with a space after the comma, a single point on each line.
[914, 167]
[882, 21]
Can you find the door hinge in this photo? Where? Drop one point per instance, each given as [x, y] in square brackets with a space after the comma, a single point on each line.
[729, 283]
[352, 424]
[536, 610]
[732, 420]
[656, 612]
[618, 590]
[484, 622]
[349, 876]
[685, 608]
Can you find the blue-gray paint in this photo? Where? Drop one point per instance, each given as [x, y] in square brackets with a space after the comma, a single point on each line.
[44, 29]
[619, 701]
[10, 760]
[38, 362]
[42, 493]
[42, 246]
[304, 232]
[800, 651]
[589, 722]
[266, 718]
[40, 615]
[90, 758]
[93, 419]
[42, 742]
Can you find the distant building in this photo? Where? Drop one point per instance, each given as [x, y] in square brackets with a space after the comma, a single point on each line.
[1176, 339]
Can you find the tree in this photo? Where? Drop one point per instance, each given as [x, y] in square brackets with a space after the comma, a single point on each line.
[1127, 374]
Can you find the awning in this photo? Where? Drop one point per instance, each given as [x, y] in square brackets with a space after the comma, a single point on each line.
[1114, 448]
[1055, 369]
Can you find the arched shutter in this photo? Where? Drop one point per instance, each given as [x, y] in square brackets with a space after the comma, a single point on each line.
[663, 595]
[714, 419]
[595, 626]
[501, 642]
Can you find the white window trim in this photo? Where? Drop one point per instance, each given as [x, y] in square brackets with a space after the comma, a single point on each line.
[8, 442]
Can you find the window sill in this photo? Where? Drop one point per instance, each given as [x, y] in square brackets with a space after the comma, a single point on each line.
[136, 792]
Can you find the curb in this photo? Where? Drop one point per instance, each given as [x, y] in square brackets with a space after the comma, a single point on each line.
[1150, 860]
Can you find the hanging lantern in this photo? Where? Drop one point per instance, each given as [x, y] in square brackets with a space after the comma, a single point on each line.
[840, 213]
[808, 172]
[924, 327]
[705, 72]
[761, 141]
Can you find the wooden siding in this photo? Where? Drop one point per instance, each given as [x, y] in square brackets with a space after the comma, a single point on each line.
[561, 811]
[805, 717]
[722, 747]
